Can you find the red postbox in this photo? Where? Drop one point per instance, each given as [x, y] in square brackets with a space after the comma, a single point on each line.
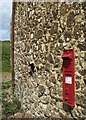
[68, 77]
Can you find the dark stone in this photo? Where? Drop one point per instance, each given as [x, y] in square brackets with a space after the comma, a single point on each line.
[85, 35]
[51, 47]
[64, 9]
[47, 67]
[56, 66]
[82, 46]
[57, 60]
[41, 89]
[83, 72]
[52, 79]
[84, 28]
[67, 34]
[32, 69]
[61, 47]
[50, 59]
[85, 91]
[78, 100]
[39, 34]
[54, 28]
[84, 112]
[85, 81]
[84, 5]
[55, 13]
[61, 41]
[77, 32]
[78, 77]
[77, 85]
[70, 19]
[76, 5]
[84, 99]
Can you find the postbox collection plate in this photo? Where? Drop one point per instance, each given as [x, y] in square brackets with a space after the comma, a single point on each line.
[68, 79]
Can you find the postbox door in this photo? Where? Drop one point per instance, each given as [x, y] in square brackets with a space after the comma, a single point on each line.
[68, 77]
[68, 91]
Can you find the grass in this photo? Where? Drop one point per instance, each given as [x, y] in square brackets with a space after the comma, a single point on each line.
[5, 85]
[6, 66]
[13, 106]
[8, 107]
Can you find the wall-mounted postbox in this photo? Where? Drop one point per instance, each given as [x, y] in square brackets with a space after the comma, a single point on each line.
[68, 77]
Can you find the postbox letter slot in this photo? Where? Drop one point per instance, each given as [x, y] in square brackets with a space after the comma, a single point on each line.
[66, 57]
[66, 99]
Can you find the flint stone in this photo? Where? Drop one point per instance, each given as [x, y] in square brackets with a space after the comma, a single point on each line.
[64, 9]
[43, 106]
[23, 47]
[70, 19]
[82, 46]
[47, 113]
[77, 85]
[50, 58]
[45, 99]
[67, 35]
[54, 28]
[56, 115]
[18, 115]
[39, 34]
[78, 18]
[41, 89]
[28, 114]
[62, 113]
[75, 113]
[59, 105]
[77, 32]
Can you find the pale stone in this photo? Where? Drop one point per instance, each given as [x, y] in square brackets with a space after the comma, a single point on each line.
[59, 105]
[55, 115]
[62, 113]
[43, 106]
[64, 44]
[18, 115]
[28, 114]
[79, 18]
[43, 48]
[28, 9]
[23, 46]
[46, 90]
[45, 99]
[31, 36]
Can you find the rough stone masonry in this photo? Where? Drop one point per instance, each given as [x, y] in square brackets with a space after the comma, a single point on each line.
[42, 30]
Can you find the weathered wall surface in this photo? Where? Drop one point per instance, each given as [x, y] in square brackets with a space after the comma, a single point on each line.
[42, 32]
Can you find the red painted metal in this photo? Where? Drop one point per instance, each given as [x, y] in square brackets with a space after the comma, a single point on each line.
[68, 77]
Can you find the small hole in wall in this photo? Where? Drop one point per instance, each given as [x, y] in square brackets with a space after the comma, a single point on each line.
[32, 69]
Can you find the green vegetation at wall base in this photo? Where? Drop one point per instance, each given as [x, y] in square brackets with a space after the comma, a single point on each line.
[6, 67]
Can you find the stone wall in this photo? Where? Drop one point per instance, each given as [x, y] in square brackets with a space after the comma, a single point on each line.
[41, 32]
